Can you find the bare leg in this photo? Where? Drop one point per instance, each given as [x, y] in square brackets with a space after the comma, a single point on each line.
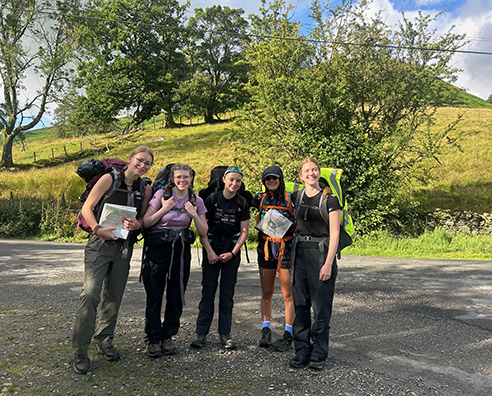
[267, 281]
[286, 288]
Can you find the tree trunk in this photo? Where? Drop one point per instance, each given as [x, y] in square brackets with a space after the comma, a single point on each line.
[8, 143]
[209, 115]
[168, 113]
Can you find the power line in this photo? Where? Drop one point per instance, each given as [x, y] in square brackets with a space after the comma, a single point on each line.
[259, 36]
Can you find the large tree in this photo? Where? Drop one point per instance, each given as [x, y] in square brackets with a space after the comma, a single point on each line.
[216, 53]
[35, 40]
[134, 59]
[356, 94]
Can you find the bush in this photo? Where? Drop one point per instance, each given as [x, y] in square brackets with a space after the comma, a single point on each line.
[20, 219]
[57, 222]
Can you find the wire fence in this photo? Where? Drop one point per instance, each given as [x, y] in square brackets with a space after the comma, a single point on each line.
[70, 149]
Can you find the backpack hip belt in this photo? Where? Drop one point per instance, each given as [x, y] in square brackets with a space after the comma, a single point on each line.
[322, 242]
[282, 248]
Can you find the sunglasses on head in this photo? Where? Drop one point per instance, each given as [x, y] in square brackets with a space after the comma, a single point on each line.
[233, 169]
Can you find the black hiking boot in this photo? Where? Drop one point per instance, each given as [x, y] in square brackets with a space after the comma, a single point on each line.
[82, 364]
[266, 337]
[283, 343]
[199, 342]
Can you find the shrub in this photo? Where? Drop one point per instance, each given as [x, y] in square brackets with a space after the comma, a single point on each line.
[20, 219]
[57, 222]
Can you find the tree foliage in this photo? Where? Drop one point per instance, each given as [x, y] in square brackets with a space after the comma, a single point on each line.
[35, 38]
[355, 94]
[216, 51]
[134, 59]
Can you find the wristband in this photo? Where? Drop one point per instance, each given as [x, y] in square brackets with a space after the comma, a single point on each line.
[233, 255]
[95, 228]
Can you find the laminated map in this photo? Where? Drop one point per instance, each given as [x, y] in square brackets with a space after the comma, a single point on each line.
[113, 215]
[274, 224]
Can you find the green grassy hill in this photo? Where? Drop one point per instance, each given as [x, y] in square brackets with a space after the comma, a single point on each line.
[460, 181]
[470, 101]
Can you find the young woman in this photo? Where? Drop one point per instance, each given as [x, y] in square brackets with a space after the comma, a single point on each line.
[107, 259]
[274, 253]
[228, 221]
[315, 267]
[167, 256]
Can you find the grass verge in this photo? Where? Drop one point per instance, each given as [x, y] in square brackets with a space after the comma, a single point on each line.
[438, 244]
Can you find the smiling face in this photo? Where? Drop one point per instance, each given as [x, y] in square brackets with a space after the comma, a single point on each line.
[141, 163]
[309, 174]
[182, 179]
[232, 182]
[271, 182]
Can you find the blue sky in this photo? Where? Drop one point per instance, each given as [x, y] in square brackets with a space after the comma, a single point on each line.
[473, 17]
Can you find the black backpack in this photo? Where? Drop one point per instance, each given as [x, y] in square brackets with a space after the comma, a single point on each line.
[216, 184]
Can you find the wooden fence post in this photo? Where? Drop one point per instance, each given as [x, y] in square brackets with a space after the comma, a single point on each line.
[65, 149]
[34, 154]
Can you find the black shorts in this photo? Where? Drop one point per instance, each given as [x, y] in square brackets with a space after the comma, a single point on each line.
[262, 263]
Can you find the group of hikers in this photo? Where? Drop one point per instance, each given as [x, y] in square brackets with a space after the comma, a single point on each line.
[295, 241]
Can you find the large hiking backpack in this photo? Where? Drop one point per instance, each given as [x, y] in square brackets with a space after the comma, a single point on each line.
[91, 171]
[332, 177]
[216, 184]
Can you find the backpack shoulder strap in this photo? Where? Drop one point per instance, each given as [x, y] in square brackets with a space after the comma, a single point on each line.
[213, 203]
[297, 204]
[239, 212]
[323, 209]
[116, 176]
[260, 208]
[288, 201]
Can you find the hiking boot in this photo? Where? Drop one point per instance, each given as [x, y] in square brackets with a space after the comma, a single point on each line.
[266, 337]
[199, 342]
[316, 363]
[226, 341]
[82, 364]
[299, 361]
[154, 350]
[168, 347]
[109, 353]
[282, 344]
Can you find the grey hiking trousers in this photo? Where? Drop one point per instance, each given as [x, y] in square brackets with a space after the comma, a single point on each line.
[107, 271]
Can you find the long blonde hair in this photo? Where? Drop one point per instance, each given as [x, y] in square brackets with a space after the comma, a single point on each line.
[326, 189]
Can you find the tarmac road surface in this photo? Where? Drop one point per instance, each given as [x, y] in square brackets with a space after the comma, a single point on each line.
[405, 318]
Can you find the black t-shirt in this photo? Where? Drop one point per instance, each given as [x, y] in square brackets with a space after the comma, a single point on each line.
[309, 221]
[222, 218]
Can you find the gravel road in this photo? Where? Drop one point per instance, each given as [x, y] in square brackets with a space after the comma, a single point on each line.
[399, 327]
